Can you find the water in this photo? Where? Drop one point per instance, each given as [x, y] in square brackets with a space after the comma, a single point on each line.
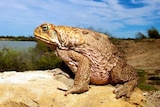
[18, 45]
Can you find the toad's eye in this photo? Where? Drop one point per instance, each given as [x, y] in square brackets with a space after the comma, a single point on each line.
[45, 28]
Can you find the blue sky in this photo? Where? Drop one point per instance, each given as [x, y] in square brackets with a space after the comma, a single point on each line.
[121, 18]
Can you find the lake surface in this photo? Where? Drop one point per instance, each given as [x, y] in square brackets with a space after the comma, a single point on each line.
[18, 45]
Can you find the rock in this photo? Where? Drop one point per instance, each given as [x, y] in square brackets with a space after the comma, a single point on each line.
[39, 89]
[154, 97]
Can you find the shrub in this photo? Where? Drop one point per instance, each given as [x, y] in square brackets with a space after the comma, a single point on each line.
[46, 60]
[12, 60]
[153, 33]
[43, 57]
[40, 57]
[140, 35]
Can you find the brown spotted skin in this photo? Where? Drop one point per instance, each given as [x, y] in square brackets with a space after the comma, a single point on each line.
[91, 57]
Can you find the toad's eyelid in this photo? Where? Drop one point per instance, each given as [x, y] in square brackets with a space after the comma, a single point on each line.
[45, 27]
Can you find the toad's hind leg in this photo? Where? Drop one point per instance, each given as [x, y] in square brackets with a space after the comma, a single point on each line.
[126, 77]
[82, 75]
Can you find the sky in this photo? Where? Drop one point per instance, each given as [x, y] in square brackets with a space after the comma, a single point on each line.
[120, 18]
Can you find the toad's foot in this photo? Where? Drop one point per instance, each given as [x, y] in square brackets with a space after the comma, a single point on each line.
[74, 89]
[77, 89]
[125, 89]
[121, 90]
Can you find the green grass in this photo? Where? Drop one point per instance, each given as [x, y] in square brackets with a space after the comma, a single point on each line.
[142, 81]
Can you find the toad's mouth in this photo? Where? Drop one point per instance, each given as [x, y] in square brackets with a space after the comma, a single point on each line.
[42, 39]
[45, 40]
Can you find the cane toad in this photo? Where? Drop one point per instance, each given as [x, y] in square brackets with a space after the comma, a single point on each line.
[91, 57]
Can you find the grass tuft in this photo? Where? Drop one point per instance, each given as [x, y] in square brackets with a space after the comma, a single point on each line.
[142, 81]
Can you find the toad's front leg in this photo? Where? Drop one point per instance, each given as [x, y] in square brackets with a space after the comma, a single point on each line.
[82, 75]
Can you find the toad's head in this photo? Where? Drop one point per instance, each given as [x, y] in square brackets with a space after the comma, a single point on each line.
[47, 34]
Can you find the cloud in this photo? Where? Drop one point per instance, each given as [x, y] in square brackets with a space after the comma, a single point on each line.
[111, 15]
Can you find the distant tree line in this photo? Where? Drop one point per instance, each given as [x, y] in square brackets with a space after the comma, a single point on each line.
[18, 38]
[151, 33]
